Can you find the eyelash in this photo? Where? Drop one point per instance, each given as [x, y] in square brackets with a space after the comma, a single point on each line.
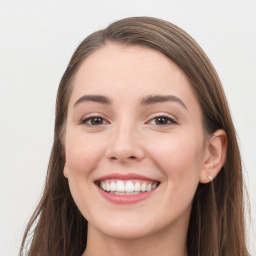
[170, 120]
[90, 118]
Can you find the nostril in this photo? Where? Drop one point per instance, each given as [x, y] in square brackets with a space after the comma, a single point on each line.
[132, 157]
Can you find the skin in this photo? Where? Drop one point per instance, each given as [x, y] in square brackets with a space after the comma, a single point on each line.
[128, 139]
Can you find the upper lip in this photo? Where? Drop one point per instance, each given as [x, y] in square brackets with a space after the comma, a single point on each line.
[124, 176]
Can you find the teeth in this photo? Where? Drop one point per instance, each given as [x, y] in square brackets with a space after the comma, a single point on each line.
[112, 186]
[120, 187]
[143, 187]
[137, 187]
[149, 187]
[129, 186]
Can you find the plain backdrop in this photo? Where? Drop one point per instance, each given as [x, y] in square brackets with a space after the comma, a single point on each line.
[37, 39]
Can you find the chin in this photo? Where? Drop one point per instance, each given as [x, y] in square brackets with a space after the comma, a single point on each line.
[125, 229]
[127, 232]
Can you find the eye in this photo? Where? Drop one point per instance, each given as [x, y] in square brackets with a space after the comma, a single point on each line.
[93, 121]
[162, 120]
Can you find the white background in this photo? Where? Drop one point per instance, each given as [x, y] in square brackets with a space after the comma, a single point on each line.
[37, 39]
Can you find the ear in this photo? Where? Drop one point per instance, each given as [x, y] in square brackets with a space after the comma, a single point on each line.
[65, 171]
[215, 156]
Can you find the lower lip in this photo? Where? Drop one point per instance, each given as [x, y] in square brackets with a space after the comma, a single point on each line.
[125, 199]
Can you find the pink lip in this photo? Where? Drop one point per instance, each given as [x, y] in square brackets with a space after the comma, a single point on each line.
[128, 176]
[124, 199]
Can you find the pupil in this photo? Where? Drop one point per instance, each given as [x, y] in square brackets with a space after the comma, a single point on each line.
[161, 120]
[97, 120]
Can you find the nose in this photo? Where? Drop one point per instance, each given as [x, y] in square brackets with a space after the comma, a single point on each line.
[125, 145]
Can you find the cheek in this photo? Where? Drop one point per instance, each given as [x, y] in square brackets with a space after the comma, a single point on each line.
[82, 155]
[179, 156]
[82, 158]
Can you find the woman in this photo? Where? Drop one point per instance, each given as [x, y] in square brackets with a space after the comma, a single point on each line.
[145, 159]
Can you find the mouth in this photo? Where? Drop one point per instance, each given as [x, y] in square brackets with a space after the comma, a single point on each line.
[126, 189]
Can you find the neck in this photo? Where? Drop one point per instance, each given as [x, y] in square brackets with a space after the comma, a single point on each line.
[164, 243]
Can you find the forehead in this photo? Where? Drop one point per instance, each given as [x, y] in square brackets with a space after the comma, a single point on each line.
[129, 72]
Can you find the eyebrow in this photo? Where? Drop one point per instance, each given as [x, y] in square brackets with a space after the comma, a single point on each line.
[151, 99]
[94, 98]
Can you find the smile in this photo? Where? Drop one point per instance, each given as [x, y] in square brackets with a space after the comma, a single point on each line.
[126, 189]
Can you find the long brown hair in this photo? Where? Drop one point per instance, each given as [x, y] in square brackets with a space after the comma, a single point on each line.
[217, 226]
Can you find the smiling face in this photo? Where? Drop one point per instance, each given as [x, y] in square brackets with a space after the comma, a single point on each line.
[134, 128]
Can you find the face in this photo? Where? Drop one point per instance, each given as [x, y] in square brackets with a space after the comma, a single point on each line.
[134, 142]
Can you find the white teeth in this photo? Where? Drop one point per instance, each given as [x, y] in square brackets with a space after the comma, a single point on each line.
[137, 187]
[143, 187]
[148, 187]
[129, 187]
[120, 186]
[112, 186]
